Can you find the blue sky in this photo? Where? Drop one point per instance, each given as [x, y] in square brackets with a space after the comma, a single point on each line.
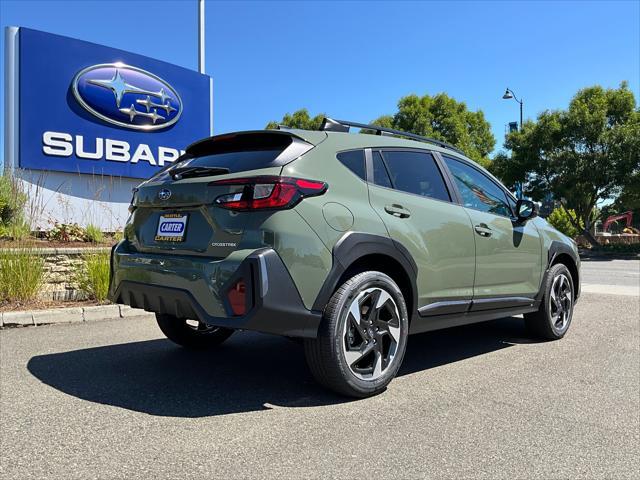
[354, 60]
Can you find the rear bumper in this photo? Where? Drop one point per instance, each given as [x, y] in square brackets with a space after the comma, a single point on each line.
[196, 289]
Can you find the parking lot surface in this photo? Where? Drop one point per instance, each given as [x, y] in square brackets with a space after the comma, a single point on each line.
[114, 399]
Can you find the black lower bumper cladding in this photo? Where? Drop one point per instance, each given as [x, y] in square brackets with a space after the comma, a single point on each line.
[273, 302]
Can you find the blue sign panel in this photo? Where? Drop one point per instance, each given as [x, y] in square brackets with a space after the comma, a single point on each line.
[86, 108]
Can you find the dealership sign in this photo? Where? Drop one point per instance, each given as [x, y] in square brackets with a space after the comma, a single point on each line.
[86, 108]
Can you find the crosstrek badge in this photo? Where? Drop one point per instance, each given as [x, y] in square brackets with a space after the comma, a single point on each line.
[171, 227]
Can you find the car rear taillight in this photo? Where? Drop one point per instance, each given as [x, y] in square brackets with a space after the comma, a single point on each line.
[237, 298]
[268, 192]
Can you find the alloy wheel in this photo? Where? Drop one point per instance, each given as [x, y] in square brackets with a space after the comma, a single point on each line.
[561, 303]
[371, 333]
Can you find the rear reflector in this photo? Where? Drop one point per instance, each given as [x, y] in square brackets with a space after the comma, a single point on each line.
[268, 192]
[237, 298]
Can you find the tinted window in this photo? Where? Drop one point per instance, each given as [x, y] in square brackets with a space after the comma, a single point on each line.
[354, 161]
[478, 191]
[237, 152]
[417, 173]
[235, 161]
[380, 175]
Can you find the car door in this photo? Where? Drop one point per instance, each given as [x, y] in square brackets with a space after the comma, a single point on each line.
[508, 252]
[410, 194]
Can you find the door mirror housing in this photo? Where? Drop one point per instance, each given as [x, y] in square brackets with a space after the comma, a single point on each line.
[526, 210]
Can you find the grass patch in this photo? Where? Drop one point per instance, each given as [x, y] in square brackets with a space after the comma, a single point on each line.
[17, 230]
[92, 276]
[21, 274]
[94, 234]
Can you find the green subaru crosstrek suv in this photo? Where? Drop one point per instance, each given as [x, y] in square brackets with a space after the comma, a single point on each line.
[350, 242]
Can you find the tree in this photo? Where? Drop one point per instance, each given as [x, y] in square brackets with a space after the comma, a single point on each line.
[444, 118]
[299, 119]
[559, 218]
[439, 116]
[587, 153]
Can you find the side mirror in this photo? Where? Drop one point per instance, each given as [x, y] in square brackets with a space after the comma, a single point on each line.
[526, 210]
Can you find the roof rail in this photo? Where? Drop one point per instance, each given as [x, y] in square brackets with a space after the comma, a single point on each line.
[331, 125]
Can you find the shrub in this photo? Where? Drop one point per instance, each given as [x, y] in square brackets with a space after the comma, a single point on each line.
[92, 276]
[21, 274]
[67, 232]
[93, 234]
[12, 201]
[16, 230]
[560, 220]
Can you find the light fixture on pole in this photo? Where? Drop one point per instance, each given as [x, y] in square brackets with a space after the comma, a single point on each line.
[508, 95]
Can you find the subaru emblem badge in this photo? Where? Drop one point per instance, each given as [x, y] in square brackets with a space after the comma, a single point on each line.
[127, 96]
[164, 194]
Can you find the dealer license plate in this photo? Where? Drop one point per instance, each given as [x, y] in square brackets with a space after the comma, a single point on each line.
[171, 227]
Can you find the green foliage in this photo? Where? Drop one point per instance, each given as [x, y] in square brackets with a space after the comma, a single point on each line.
[93, 234]
[12, 203]
[299, 119]
[443, 118]
[21, 274]
[67, 232]
[439, 116]
[15, 230]
[581, 155]
[560, 220]
[92, 276]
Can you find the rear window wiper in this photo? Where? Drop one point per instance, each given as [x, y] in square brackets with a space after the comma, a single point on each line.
[187, 172]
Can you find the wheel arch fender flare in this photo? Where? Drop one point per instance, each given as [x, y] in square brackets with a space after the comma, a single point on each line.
[352, 247]
[557, 252]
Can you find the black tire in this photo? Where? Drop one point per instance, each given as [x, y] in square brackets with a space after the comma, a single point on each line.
[382, 330]
[550, 322]
[195, 337]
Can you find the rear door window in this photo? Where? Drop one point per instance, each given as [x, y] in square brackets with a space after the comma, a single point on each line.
[417, 173]
[380, 174]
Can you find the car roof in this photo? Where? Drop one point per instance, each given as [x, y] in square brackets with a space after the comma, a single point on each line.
[343, 140]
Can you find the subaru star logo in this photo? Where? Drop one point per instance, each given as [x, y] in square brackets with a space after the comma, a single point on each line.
[164, 194]
[127, 96]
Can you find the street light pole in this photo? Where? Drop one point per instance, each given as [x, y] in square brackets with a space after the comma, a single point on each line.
[508, 94]
[201, 36]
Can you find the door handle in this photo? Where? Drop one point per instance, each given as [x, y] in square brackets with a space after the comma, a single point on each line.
[483, 230]
[397, 211]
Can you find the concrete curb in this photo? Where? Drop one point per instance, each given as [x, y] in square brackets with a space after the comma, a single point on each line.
[70, 315]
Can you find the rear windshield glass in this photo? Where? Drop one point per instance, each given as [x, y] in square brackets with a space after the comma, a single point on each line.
[238, 153]
[235, 161]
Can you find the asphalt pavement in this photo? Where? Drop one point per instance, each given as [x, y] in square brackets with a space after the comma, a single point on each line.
[114, 399]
